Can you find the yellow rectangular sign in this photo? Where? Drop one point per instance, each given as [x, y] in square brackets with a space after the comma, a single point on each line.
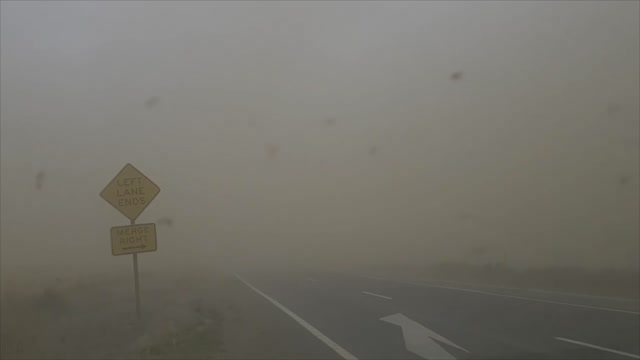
[133, 239]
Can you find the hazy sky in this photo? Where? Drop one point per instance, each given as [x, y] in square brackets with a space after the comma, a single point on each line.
[316, 131]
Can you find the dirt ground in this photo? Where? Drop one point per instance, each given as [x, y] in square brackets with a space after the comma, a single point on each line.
[201, 313]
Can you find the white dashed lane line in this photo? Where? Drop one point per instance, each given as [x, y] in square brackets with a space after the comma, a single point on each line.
[500, 295]
[599, 348]
[377, 295]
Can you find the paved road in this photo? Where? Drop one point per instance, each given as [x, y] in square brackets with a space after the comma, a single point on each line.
[359, 317]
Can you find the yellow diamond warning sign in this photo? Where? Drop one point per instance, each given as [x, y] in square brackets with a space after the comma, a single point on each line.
[133, 239]
[130, 192]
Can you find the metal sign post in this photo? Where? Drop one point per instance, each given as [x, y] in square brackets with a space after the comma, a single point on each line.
[136, 279]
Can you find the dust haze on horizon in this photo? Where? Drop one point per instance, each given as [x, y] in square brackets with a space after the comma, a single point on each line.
[324, 133]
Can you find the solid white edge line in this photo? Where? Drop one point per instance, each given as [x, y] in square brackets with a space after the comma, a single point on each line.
[599, 348]
[378, 295]
[330, 343]
[501, 295]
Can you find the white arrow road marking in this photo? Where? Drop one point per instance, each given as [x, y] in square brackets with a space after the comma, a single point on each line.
[420, 340]
[330, 343]
[599, 348]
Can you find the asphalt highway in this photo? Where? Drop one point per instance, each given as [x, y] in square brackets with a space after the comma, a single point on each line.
[355, 316]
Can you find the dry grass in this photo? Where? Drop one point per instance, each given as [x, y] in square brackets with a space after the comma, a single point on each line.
[95, 318]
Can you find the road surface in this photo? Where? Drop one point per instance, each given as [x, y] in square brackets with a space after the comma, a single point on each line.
[353, 316]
